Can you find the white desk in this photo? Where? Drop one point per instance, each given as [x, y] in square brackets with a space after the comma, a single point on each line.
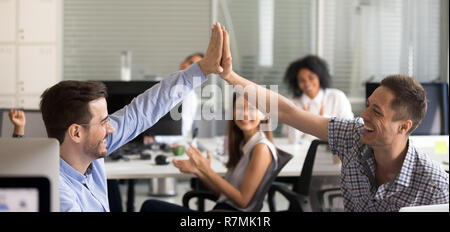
[146, 169]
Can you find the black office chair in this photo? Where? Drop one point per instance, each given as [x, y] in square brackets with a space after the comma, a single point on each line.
[327, 198]
[202, 195]
[299, 197]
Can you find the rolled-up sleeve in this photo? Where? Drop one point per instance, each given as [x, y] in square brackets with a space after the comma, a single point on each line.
[343, 135]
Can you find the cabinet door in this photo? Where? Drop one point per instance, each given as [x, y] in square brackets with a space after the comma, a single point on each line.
[37, 20]
[7, 102]
[7, 20]
[29, 102]
[7, 69]
[37, 68]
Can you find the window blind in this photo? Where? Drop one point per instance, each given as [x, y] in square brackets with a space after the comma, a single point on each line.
[159, 34]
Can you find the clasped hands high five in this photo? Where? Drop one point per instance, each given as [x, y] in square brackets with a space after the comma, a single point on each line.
[218, 56]
[217, 60]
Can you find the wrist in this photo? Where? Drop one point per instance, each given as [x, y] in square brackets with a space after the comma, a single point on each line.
[202, 65]
[206, 171]
[19, 130]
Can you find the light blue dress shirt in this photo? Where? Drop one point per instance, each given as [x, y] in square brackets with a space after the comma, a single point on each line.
[88, 192]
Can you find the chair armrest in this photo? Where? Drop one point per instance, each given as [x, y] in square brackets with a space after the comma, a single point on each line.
[321, 193]
[198, 194]
[295, 199]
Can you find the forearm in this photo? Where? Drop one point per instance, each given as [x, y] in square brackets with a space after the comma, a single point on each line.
[287, 112]
[210, 185]
[223, 186]
[147, 108]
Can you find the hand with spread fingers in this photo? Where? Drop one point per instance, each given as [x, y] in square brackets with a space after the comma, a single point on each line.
[186, 166]
[211, 63]
[201, 163]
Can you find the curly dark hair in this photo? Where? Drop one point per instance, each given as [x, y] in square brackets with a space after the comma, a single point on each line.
[315, 65]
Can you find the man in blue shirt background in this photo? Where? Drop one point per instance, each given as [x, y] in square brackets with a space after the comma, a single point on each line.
[75, 113]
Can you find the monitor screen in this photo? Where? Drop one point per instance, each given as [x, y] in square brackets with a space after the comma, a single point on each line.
[435, 121]
[121, 93]
[30, 194]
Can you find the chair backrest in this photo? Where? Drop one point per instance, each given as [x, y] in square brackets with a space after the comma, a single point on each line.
[303, 182]
[283, 159]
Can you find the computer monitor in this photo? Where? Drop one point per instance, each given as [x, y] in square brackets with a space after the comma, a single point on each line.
[34, 127]
[29, 174]
[24, 194]
[435, 121]
[121, 93]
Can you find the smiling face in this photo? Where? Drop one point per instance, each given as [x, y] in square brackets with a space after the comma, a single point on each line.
[246, 116]
[308, 82]
[379, 127]
[97, 130]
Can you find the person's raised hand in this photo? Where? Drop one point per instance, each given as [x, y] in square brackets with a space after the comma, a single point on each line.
[17, 118]
[226, 56]
[211, 63]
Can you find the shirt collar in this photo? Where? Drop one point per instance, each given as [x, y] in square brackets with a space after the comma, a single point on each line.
[71, 172]
[405, 174]
[403, 178]
[247, 148]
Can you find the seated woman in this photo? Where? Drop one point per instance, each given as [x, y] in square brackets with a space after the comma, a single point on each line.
[252, 159]
[308, 79]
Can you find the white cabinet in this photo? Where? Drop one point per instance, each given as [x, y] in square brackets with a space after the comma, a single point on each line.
[37, 20]
[30, 50]
[7, 20]
[36, 69]
[7, 102]
[7, 69]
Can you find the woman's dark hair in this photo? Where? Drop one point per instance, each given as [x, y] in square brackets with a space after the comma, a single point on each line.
[315, 65]
[236, 136]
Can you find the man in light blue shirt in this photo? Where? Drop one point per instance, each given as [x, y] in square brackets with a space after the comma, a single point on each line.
[75, 113]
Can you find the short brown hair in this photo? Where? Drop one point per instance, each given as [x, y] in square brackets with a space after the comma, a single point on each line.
[66, 103]
[410, 100]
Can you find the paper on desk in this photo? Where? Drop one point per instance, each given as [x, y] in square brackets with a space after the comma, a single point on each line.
[440, 147]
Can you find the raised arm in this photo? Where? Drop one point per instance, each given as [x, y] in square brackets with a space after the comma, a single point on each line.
[17, 118]
[287, 112]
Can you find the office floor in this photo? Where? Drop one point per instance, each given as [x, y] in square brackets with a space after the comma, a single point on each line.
[142, 188]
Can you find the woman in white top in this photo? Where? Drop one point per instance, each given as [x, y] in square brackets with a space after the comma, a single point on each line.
[252, 161]
[309, 79]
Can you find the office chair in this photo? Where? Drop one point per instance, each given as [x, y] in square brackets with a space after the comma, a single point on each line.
[327, 198]
[202, 195]
[299, 196]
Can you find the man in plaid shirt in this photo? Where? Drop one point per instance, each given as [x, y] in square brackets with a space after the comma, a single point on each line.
[381, 168]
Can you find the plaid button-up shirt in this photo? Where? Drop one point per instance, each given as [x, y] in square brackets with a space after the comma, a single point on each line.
[419, 182]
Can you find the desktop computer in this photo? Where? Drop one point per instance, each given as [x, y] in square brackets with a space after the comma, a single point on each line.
[121, 93]
[24, 184]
